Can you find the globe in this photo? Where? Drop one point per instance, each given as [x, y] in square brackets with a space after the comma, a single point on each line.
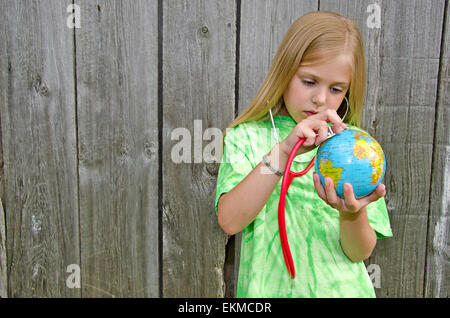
[351, 156]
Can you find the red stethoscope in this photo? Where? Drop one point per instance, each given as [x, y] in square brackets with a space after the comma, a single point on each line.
[288, 176]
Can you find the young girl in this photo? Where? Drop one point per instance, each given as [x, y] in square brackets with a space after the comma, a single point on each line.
[317, 75]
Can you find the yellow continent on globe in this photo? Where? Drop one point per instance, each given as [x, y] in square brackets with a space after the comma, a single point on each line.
[327, 170]
[372, 151]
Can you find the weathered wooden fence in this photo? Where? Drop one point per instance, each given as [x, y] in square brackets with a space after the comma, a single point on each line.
[87, 112]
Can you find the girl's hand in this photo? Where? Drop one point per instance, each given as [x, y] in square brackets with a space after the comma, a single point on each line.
[314, 129]
[350, 204]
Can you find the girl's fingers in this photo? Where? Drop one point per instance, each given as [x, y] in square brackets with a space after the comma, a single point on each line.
[350, 203]
[330, 192]
[379, 192]
[314, 130]
[332, 116]
[322, 132]
[320, 190]
[349, 198]
[308, 133]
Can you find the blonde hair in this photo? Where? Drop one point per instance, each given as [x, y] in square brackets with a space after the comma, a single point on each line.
[311, 39]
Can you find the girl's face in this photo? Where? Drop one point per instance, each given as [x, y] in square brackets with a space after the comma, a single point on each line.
[316, 88]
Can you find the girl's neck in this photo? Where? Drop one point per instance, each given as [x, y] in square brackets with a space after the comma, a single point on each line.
[283, 111]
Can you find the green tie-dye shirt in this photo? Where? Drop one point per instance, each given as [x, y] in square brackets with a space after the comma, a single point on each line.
[321, 267]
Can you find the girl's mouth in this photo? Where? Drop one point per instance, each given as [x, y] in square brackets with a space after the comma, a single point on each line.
[310, 113]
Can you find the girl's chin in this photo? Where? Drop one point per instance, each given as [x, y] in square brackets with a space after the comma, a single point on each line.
[298, 116]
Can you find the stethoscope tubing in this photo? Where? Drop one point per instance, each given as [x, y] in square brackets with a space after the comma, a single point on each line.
[288, 176]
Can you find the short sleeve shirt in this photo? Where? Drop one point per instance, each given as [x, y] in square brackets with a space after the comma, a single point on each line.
[322, 269]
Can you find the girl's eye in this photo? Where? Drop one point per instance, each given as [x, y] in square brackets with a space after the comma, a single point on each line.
[311, 83]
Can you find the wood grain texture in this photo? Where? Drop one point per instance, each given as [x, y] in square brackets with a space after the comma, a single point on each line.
[3, 259]
[263, 26]
[79, 140]
[116, 67]
[39, 147]
[402, 66]
[437, 275]
[198, 84]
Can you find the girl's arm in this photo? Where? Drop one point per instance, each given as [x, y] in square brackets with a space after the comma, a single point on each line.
[240, 206]
[358, 239]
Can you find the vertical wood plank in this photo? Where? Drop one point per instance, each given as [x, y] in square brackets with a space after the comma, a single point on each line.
[3, 252]
[39, 147]
[438, 264]
[116, 65]
[263, 26]
[3, 260]
[198, 93]
[402, 63]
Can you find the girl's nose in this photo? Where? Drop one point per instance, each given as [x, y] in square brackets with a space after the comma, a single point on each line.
[320, 98]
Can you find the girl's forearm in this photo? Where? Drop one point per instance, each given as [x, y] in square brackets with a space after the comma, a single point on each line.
[240, 206]
[358, 239]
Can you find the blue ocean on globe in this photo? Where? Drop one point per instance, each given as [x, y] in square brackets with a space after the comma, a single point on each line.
[351, 156]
